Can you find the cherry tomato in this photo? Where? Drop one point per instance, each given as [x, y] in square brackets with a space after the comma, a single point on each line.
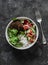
[29, 35]
[26, 27]
[30, 31]
[31, 41]
[30, 24]
[25, 21]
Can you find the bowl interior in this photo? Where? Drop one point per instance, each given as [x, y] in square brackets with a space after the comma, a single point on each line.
[37, 33]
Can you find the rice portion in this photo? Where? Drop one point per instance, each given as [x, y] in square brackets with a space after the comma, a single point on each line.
[23, 40]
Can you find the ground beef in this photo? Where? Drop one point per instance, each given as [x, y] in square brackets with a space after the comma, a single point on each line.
[16, 25]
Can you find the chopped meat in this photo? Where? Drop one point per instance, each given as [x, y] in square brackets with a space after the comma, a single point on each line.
[17, 25]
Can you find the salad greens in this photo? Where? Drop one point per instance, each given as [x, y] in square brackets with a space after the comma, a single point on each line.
[14, 19]
[21, 32]
[13, 38]
[19, 44]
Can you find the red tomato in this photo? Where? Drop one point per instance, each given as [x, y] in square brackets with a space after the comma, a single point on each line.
[25, 21]
[30, 24]
[31, 41]
[26, 27]
[29, 35]
[30, 31]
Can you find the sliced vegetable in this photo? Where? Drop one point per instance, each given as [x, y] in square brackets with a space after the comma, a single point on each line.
[25, 27]
[21, 32]
[33, 30]
[25, 21]
[31, 40]
[29, 35]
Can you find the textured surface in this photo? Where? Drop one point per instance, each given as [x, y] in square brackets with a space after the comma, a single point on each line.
[37, 55]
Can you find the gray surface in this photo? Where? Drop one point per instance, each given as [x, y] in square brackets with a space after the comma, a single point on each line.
[15, 8]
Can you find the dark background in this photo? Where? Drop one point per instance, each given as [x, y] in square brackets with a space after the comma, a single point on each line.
[38, 54]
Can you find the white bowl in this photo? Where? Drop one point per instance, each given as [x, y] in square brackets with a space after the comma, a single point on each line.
[30, 44]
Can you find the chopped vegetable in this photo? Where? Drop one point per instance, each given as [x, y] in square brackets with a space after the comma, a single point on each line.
[25, 27]
[25, 21]
[21, 32]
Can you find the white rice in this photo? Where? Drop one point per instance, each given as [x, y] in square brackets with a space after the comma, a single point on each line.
[23, 40]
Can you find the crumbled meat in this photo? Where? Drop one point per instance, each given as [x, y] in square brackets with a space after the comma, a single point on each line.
[17, 25]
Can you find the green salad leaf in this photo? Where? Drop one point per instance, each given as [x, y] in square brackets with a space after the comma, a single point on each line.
[14, 40]
[14, 19]
[22, 32]
[19, 45]
[12, 32]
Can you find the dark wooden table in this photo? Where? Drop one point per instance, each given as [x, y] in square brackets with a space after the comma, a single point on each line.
[36, 55]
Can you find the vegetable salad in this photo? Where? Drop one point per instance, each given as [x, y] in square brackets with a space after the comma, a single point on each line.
[21, 32]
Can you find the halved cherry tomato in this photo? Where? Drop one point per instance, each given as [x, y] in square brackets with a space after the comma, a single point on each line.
[25, 27]
[30, 31]
[25, 21]
[29, 35]
[31, 41]
[30, 24]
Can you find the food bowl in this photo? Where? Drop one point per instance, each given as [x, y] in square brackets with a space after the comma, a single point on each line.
[26, 47]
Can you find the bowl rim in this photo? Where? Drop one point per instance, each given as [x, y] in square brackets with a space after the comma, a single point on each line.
[6, 34]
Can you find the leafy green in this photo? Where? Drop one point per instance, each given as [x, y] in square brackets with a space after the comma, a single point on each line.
[14, 40]
[14, 19]
[12, 32]
[19, 45]
[22, 32]
[10, 35]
